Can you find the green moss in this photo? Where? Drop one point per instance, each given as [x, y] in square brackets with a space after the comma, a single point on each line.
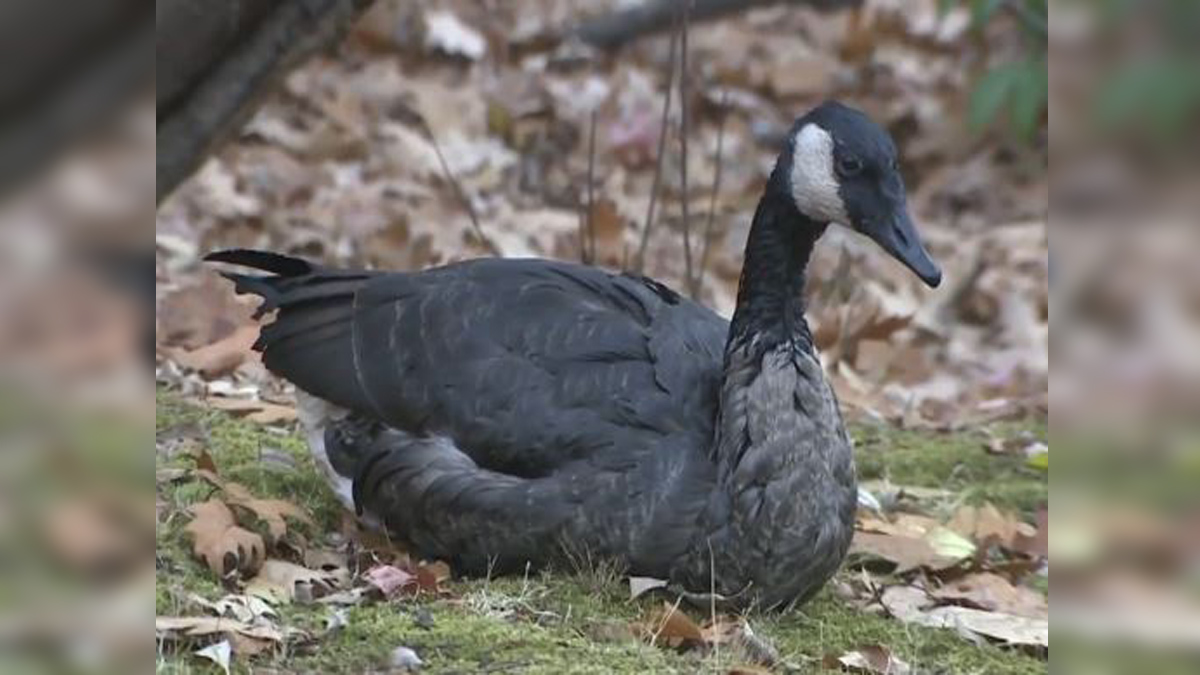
[560, 623]
[953, 461]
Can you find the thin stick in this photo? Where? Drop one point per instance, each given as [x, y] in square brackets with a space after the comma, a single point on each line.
[458, 189]
[683, 144]
[712, 203]
[587, 240]
[639, 260]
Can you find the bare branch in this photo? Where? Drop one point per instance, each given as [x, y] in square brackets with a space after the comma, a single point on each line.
[613, 31]
[683, 145]
[587, 232]
[716, 187]
[458, 188]
[639, 260]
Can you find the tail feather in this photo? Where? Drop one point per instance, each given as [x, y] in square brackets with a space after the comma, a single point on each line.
[310, 341]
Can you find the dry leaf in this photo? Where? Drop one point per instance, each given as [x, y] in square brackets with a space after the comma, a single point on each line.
[201, 314]
[282, 581]
[910, 604]
[259, 412]
[670, 626]
[273, 512]
[201, 626]
[431, 575]
[908, 553]
[389, 580]
[872, 659]
[219, 653]
[988, 525]
[993, 593]
[221, 357]
[638, 586]
[224, 546]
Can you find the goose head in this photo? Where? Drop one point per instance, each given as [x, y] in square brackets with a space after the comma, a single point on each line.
[840, 167]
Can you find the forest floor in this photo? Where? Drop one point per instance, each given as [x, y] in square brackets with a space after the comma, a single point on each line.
[557, 622]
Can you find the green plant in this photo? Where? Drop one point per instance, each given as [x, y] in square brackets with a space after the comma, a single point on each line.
[1017, 90]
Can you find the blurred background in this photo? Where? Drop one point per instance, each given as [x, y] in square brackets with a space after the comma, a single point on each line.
[409, 134]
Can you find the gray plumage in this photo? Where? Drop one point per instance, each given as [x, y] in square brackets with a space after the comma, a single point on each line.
[501, 414]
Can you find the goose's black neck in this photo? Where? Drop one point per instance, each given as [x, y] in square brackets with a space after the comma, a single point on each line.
[770, 301]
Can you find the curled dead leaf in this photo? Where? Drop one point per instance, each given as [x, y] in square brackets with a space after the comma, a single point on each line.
[273, 512]
[225, 547]
[282, 581]
[871, 659]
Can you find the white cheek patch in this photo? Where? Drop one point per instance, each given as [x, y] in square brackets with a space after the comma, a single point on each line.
[814, 183]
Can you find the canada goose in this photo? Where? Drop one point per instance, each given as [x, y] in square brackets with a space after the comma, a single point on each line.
[500, 414]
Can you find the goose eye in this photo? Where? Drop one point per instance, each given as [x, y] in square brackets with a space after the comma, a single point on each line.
[849, 166]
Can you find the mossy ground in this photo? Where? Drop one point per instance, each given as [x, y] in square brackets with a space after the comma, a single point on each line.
[564, 623]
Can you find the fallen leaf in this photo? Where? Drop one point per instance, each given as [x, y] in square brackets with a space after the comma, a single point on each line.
[273, 512]
[257, 411]
[909, 604]
[987, 525]
[219, 653]
[201, 314]
[202, 626]
[907, 553]
[670, 626]
[389, 580]
[431, 575]
[872, 659]
[639, 586]
[282, 581]
[221, 357]
[224, 546]
[993, 593]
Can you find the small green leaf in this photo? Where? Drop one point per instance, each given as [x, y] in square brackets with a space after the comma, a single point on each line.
[989, 94]
[1028, 98]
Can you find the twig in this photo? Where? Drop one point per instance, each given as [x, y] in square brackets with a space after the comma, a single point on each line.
[458, 188]
[712, 203]
[587, 231]
[683, 145]
[613, 31]
[639, 260]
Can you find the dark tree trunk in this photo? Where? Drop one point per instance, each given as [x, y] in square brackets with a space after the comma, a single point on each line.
[218, 58]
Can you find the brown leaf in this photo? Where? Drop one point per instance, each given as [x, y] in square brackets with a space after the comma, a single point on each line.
[178, 627]
[200, 314]
[273, 512]
[908, 553]
[909, 604]
[259, 412]
[224, 546]
[390, 580]
[988, 525]
[221, 357]
[431, 575]
[671, 627]
[993, 593]
[872, 659]
[283, 581]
